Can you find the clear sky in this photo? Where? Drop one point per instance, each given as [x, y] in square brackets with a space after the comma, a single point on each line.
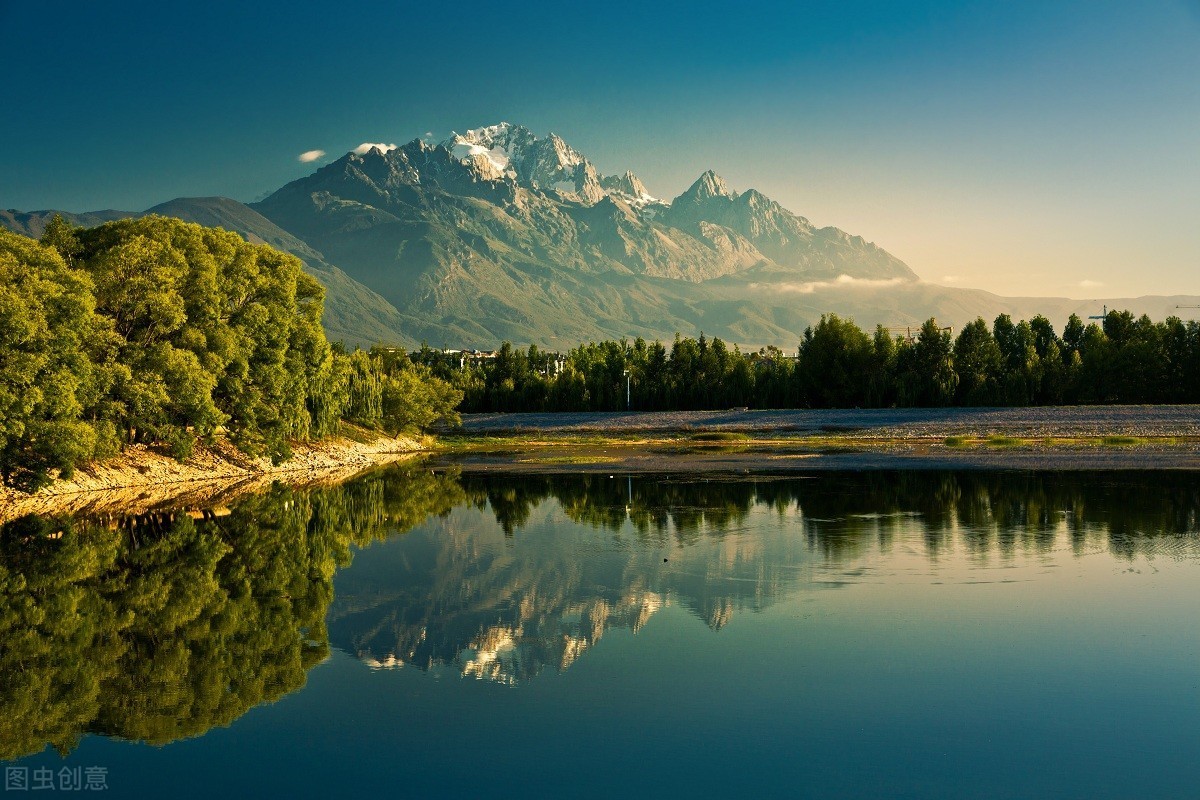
[1022, 147]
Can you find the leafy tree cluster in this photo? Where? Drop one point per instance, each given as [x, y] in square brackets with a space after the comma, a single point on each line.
[163, 332]
[838, 365]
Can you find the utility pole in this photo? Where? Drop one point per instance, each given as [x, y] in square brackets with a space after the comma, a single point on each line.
[628, 398]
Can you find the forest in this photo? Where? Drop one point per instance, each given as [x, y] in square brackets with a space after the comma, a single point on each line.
[1121, 359]
[157, 331]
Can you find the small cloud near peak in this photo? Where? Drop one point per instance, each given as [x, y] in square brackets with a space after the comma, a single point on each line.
[308, 156]
[367, 147]
[1089, 284]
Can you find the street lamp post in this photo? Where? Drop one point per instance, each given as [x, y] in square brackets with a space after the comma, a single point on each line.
[628, 401]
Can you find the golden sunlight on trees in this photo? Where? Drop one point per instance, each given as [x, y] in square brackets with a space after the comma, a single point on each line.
[162, 332]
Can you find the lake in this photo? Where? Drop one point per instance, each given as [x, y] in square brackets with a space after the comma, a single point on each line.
[418, 634]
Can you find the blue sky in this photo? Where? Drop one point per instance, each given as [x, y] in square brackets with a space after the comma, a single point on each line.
[1026, 148]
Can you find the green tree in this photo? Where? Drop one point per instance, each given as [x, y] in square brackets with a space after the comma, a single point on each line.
[47, 380]
[834, 359]
[933, 362]
[978, 362]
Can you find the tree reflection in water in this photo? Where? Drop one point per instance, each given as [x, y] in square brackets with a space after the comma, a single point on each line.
[159, 627]
[506, 601]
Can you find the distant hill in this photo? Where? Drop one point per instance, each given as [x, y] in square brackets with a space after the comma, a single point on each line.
[499, 234]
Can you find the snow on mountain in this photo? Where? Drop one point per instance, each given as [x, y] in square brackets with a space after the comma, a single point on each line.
[506, 151]
[629, 188]
[367, 147]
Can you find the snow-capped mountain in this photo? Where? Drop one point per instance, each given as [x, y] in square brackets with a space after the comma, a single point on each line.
[506, 151]
[497, 233]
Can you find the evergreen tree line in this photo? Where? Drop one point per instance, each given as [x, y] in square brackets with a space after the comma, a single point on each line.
[163, 332]
[838, 365]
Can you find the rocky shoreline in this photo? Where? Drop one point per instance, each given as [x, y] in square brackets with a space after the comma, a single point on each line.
[143, 479]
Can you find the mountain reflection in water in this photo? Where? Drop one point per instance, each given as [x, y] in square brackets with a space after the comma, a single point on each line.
[160, 627]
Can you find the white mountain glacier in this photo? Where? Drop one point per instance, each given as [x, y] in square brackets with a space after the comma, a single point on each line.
[513, 152]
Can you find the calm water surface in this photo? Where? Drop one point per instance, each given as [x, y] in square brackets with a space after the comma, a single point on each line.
[419, 634]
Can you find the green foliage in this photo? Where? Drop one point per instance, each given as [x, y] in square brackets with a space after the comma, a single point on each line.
[162, 332]
[977, 359]
[839, 365]
[48, 330]
[835, 356]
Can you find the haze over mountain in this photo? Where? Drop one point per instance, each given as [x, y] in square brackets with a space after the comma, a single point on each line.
[497, 233]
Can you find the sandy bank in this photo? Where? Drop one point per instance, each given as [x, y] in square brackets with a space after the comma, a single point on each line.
[143, 479]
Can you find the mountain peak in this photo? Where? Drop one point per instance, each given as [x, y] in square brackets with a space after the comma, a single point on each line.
[628, 187]
[709, 185]
[706, 187]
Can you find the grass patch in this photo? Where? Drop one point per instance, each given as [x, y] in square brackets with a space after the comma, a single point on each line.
[956, 441]
[720, 436]
[1121, 441]
[578, 460]
[1005, 441]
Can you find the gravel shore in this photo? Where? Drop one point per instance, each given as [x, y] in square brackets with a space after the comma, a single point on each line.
[1055, 438]
[885, 423]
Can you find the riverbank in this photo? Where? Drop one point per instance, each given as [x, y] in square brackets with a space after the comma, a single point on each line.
[1062, 438]
[889, 423]
[143, 478]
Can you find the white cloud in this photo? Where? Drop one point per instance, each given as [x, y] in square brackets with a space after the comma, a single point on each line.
[308, 156]
[1090, 284]
[952, 278]
[367, 147]
[841, 282]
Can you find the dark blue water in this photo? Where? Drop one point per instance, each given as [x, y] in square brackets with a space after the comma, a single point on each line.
[880, 635]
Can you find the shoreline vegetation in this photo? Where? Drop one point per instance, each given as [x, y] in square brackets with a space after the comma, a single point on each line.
[1121, 359]
[168, 336]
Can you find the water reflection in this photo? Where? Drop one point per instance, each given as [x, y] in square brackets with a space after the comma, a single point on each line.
[508, 601]
[159, 627]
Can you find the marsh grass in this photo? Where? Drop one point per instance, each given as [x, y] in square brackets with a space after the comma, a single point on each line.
[577, 460]
[1005, 441]
[1121, 441]
[720, 436]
